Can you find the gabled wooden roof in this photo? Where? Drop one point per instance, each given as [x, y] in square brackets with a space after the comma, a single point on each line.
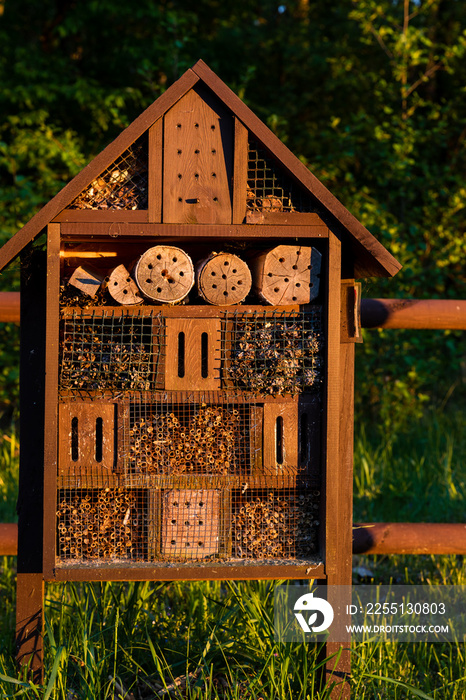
[371, 258]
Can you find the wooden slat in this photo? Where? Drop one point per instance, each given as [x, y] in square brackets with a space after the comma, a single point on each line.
[380, 262]
[332, 409]
[284, 218]
[199, 572]
[240, 172]
[190, 231]
[11, 249]
[137, 216]
[51, 394]
[155, 172]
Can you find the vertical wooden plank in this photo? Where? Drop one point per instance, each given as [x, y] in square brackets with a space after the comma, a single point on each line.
[153, 524]
[155, 192]
[335, 482]
[29, 624]
[332, 405]
[29, 585]
[240, 172]
[51, 396]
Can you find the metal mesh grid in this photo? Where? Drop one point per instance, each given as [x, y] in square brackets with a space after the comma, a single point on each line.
[108, 351]
[170, 436]
[104, 524]
[279, 524]
[269, 190]
[273, 353]
[123, 185]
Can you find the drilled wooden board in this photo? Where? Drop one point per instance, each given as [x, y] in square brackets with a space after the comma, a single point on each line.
[193, 329]
[79, 451]
[190, 523]
[196, 185]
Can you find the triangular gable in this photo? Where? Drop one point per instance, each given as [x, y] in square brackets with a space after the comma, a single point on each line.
[115, 178]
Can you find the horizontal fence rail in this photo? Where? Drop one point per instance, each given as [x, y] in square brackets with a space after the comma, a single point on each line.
[418, 314]
[409, 538]
[368, 538]
[434, 314]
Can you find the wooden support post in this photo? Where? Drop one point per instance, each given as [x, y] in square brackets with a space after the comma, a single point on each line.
[29, 623]
[338, 492]
[29, 598]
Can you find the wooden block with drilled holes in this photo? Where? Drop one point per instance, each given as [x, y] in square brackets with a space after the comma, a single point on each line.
[122, 287]
[196, 171]
[223, 279]
[280, 447]
[164, 274]
[287, 274]
[190, 523]
[86, 438]
[192, 360]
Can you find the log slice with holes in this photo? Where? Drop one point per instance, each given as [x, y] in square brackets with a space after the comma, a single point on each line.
[287, 274]
[223, 279]
[122, 288]
[164, 274]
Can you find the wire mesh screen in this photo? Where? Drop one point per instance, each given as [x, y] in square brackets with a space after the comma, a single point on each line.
[104, 524]
[101, 350]
[170, 436]
[269, 189]
[278, 524]
[123, 185]
[273, 353]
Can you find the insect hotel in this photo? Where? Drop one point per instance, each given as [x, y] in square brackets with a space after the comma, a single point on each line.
[188, 318]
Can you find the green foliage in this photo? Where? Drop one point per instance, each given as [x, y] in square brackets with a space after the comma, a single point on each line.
[369, 94]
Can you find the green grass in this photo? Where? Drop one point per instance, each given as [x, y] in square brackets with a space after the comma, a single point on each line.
[110, 640]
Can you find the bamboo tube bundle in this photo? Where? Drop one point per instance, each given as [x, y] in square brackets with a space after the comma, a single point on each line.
[103, 524]
[207, 442]
[164, 274]
[287, 274]
[276, 526]
[223, 279]
[275, 354]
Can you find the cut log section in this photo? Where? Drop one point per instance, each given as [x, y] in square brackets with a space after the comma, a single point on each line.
[164, 274]
[223, 279]
[287, 275]
[122, 288]
[87, 280]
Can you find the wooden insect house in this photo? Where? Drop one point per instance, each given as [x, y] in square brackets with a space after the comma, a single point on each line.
[188, 318]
